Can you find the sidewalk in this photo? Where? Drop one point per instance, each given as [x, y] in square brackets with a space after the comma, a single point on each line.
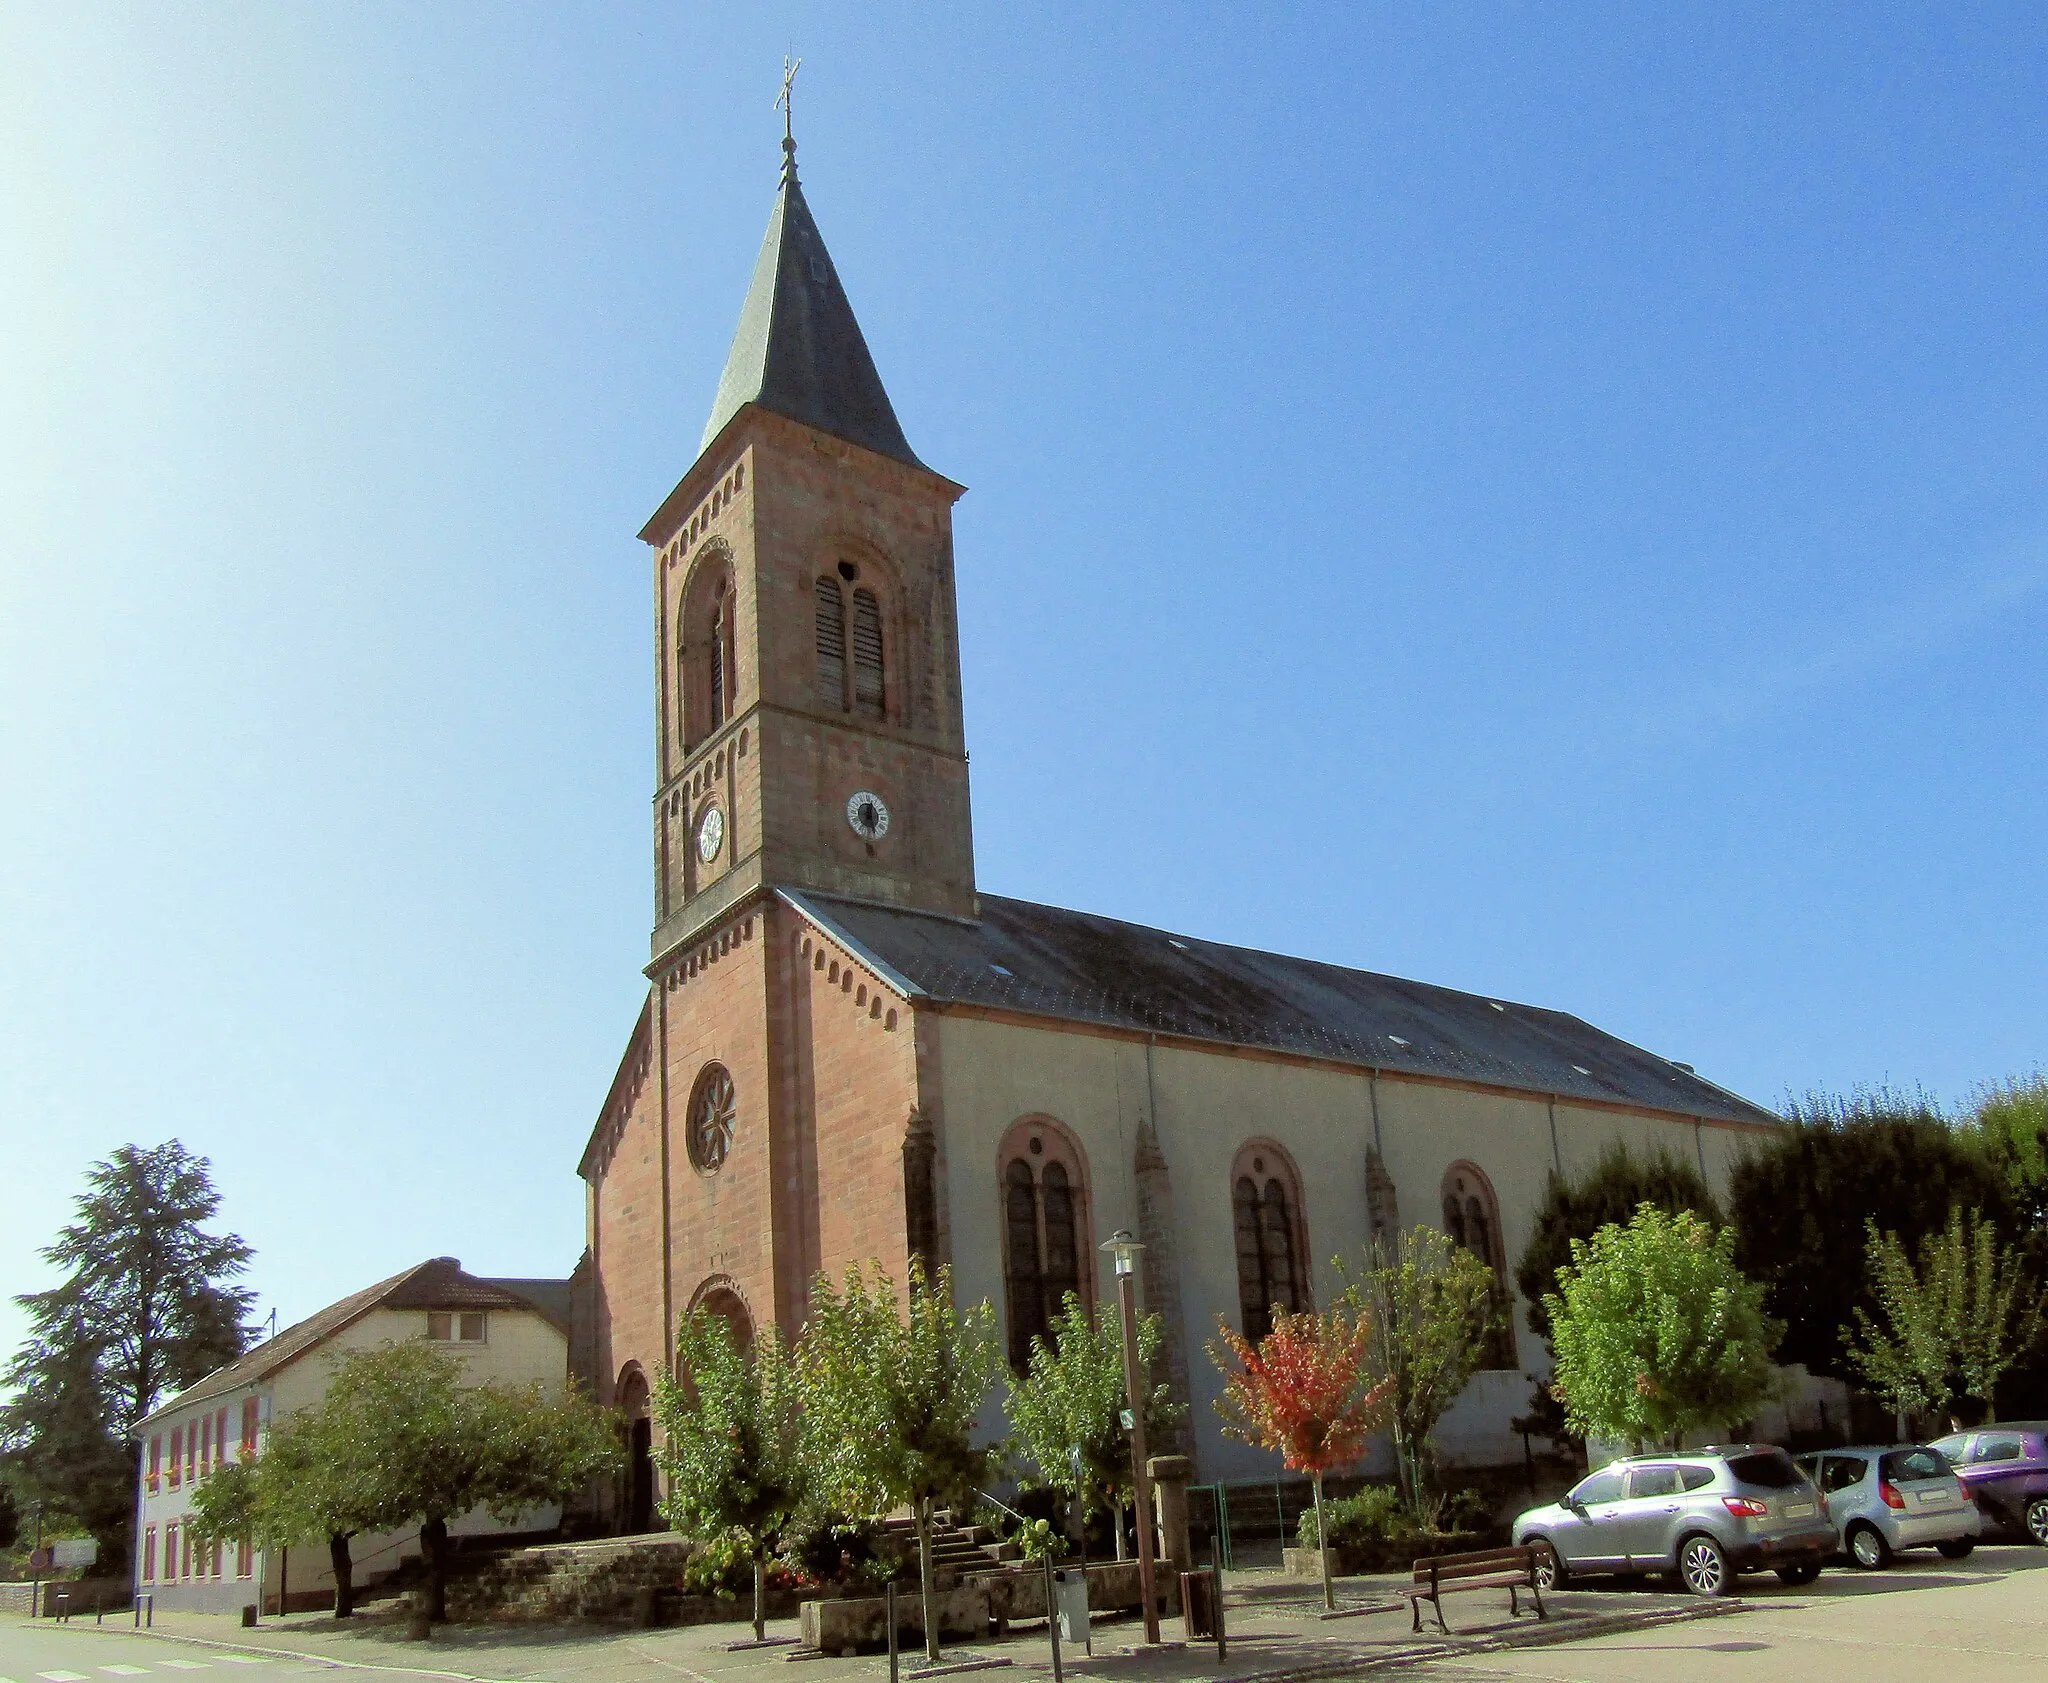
[1273, 1625]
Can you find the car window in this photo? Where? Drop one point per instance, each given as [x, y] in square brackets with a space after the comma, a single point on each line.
[1997, 1449]
[1952, 1446]
[1844, 1472]
[1913, 1463]
[1601, 1487]
[1653, 1481]
[1769, 1469]
[1695, 1478]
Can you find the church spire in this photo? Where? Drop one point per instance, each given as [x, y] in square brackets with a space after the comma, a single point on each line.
[798, 349]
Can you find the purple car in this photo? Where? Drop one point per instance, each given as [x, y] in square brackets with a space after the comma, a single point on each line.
[2005, 1469]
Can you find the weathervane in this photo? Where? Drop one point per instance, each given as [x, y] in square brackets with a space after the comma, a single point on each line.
[783, 104]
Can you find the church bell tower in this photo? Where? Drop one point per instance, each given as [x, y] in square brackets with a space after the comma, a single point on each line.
[807, 683]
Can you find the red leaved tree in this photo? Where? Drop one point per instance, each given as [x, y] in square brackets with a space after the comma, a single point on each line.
[1302, 1390]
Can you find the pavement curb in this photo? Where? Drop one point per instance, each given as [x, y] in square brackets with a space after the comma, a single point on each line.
[262, 1652]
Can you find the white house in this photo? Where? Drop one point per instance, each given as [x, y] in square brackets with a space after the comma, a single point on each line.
[512, 1331]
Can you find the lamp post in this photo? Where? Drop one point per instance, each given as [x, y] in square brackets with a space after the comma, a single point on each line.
[1124, 1249]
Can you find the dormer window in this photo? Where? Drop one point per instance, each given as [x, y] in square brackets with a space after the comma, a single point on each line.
[452, 1327]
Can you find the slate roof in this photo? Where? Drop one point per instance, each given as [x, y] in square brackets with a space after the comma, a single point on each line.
[438, 1283]
[1020, 956]
[798, 349]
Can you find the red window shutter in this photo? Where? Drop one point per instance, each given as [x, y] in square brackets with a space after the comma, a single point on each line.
[250, 1416]
[205, 1444]
[171, 1550]
[220, 1436]
[149, 1554]
[245, 1565]
[177, 1454]
[191, 1450]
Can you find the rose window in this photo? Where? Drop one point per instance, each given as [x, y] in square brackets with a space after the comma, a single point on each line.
[713, 1114]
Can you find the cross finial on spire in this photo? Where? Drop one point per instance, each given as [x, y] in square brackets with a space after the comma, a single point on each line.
[785, 105]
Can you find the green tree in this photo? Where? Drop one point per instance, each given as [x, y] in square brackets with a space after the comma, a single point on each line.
[1432, 1307]
[1657, 1331]
[1302, 1392]
[2009, 1123]
[10, 1516]
[735, 1450]
[1948, 1328]
[1072, 1397]
[399, 1439]
[1800, 1196]
[144, 1310]
[893, 1399]
[302, 1491]
[1608, 1193]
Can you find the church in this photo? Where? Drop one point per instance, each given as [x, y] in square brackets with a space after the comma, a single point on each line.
[849, 1051]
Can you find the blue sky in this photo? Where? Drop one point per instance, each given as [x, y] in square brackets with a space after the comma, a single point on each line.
[1553, 501]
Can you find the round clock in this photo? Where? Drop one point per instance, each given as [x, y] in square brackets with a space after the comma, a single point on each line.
[868, 816]
[710, 835]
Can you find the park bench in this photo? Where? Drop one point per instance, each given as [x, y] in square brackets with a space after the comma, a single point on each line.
[1513, 1570]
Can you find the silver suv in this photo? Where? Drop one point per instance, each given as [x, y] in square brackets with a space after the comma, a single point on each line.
[1702, 1514]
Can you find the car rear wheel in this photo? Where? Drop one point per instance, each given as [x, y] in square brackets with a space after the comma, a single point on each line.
[1868, 1548]
[1702, 1567]
[2037, 1519]
[1956, 1548]
[1550, 1572]
[1804, 1573]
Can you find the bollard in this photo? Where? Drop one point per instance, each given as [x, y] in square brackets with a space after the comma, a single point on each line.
[1216, 1597]
[1052, 1620]
[889, 1595]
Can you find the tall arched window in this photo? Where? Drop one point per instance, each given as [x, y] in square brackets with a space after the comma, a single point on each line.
[707, 646]
[831, 644]
[1265, 1203]
[852, 670]
[1472, 1219]
[1046, 1238]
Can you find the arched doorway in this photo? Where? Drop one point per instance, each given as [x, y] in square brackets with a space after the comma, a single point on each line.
[637, 1507]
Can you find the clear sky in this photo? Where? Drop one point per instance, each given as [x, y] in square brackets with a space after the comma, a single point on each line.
[1551, 501]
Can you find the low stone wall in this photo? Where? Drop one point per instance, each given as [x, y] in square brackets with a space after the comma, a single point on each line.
[987, 1600]
[83, 1595]
[1395, 1554]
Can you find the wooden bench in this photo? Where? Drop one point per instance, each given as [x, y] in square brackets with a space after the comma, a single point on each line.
[1513, 1570]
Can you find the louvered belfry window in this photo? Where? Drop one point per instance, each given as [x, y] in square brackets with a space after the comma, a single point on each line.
[831, 645]
[868, 692]
[724, 664]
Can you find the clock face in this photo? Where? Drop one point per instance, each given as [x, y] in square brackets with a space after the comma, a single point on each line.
[868, 816]
[710, 835]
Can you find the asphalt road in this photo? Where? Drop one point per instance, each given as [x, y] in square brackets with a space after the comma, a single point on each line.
[81, 1653]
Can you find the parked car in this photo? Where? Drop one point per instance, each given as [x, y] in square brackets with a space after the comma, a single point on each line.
[1703, 1514]
[1882, 1500]
[2005, 1470]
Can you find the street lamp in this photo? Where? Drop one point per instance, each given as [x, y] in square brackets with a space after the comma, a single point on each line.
[1124, 1249]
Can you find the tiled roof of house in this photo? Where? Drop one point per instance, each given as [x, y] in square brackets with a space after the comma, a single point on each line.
[438, 1283]
[1072, 966]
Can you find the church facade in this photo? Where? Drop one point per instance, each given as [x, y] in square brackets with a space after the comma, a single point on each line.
[847, 1052]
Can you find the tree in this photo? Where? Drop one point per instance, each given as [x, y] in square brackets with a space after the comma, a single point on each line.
[399, 1439]
[10, 1516]
[735, 1451]
[303, 1491]
[1950, 1327]
[1800, 1197]
[2009, 1124]
[1302, 1391]
[893, 1399]
[1072, 1398]
[1658, 1333]
[1431, 1305]
[1610, 1192]
[144, 1311]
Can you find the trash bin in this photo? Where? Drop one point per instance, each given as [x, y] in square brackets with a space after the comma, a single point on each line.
[1071, 1587]
[1198, 1605]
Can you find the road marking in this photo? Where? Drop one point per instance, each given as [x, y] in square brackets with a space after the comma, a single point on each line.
[62, 1676]
[186, 1665]
[245, 1659]
[126, 1670]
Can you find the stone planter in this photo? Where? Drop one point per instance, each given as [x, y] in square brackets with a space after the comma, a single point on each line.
[1378, 1554]
[855, 1626]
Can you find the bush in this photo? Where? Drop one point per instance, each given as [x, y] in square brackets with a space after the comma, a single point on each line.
[1378, 1515]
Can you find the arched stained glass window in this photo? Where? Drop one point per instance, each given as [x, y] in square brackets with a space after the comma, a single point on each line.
[1046, 1241]
[1265, 1203]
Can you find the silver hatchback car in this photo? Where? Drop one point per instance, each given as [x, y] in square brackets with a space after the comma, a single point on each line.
[1703, 1514]
[1884, 1499]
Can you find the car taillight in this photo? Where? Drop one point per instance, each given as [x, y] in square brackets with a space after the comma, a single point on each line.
[1744, 1507]
[1890, 1492]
